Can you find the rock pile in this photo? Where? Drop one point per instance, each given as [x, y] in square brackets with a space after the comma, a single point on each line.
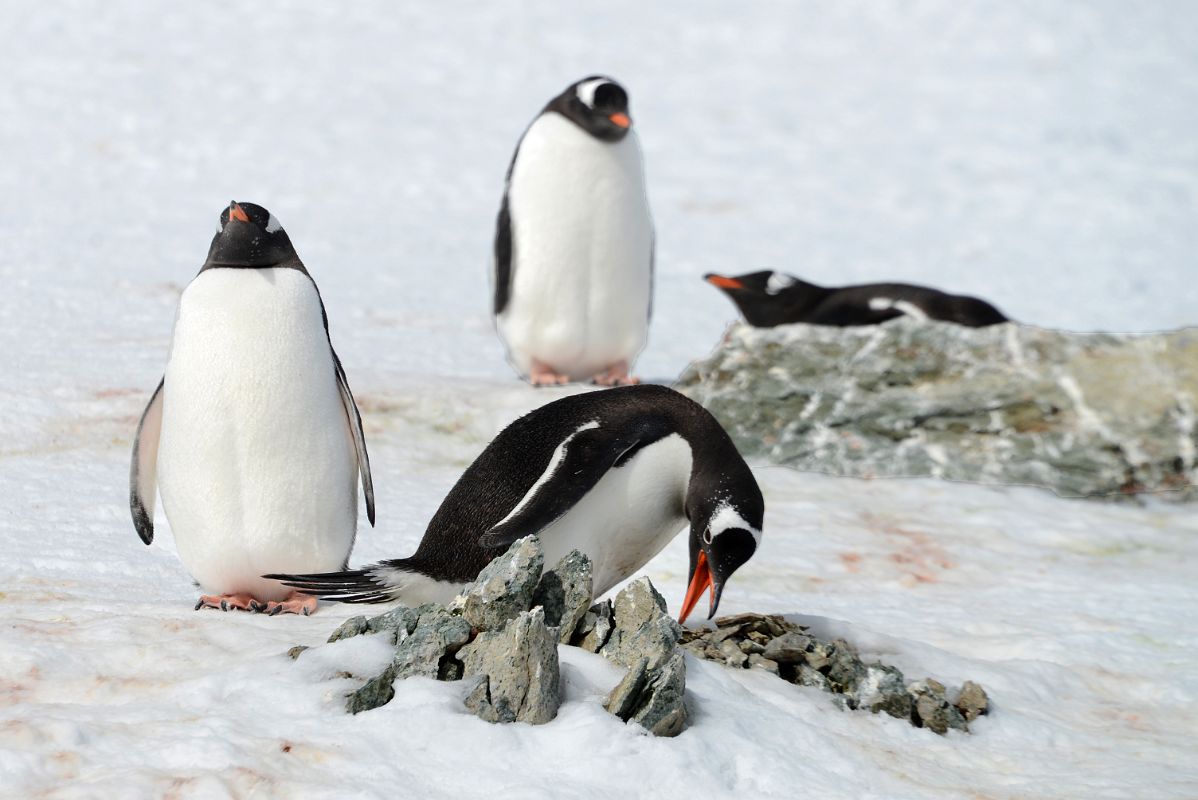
[502, 633]
[790, 651]
[1082, 414]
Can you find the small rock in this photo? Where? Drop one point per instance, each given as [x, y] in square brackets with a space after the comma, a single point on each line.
[663, 710]
[400, 618]
[806, 676]
[972, 701]
[353, 626]
[294, 652]
[623, 700]
[594, 628]
[789, 648]
[521, 669]
[565, 594]
[642, 627]
[819, 654]
[504, 588]
[845, 669]
[749, 647]
[932, 710]
[881, 688]
[733, 656]
[757, 661]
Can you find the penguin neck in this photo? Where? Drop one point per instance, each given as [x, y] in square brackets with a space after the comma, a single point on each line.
[794, 303]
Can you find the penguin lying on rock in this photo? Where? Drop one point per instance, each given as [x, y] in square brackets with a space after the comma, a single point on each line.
[615, 474]
[574, 242]
[766, 299]
[252, 436]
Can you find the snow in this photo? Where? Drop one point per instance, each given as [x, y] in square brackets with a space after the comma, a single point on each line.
[1041, 156]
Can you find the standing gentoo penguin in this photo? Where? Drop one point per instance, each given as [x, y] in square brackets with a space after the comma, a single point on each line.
[252, 436]
[574, 242]
[615, 474]
[768, 298]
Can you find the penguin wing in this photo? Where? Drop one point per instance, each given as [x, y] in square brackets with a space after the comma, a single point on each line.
[143, 470]
[355, 427]
[577, 464]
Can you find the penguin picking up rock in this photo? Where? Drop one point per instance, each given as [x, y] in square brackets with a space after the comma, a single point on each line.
[766, 299]
[252, 437]
[573, 269]
[615, 474]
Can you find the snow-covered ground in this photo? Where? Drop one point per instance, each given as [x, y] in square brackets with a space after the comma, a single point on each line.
[1042, 156]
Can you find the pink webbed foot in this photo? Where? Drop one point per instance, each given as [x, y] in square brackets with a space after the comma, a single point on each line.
[541, 374]
[296, 603]
[616, 375]
[224, 602]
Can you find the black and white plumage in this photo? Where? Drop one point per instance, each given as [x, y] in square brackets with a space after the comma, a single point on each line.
[253, 437]
[766, 299]
[574, 241]
[615, 474]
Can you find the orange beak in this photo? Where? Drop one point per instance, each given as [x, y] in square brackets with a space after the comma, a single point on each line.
[621, 119]
[699, 581]
[724, 283]
[236, 212]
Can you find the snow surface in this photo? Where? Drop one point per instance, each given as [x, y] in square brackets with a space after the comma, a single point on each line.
[1040, 155]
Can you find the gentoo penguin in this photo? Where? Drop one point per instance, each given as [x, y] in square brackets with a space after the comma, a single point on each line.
[768, 298]
[614, 473]
[252, 437]
[574, 242]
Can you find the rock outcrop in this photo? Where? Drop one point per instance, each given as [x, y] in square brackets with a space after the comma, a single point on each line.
[1085, 415]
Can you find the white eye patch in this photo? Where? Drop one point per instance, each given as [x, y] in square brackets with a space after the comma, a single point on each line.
[727, 517]
[273, 224]
[586, 91]
[778, 282]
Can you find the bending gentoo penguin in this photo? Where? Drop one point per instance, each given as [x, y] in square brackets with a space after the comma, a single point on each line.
[252, 436]
[768, 298]
[615, 473]
[574, 242]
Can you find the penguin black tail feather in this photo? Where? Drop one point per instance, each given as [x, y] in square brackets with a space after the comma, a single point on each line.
[349, 586]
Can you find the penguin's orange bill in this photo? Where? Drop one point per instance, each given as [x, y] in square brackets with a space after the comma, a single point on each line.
[621, 119]
[724, 283]
[238, 213]
[699, 581]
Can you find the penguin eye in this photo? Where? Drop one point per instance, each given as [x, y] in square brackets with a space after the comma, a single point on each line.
[707, 536]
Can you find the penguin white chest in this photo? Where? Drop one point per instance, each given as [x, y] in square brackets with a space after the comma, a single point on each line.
[630, 514]
[256, 464]
[582, 250]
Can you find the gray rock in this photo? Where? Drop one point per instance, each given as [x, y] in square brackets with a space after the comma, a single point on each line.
[662, 710]
[594, 628]
[565, 594]
[733, 655]
[932, 710]
[972, 701]
[806, 676]
[435, 638]
[353, 626]
[1082, 414]
[789, 648]
[845, 670]
[623, 700]
[881, 688]
[642, 627]
[520, 667]
[295, 652]
[504, 588]
[757, 661]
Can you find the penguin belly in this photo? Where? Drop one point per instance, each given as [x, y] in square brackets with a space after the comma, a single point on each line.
[582, 248]
[629, 516]
[256, 464]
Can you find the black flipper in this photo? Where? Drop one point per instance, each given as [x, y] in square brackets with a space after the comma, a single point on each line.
[143, 470]
[355, 426]
[577, 464]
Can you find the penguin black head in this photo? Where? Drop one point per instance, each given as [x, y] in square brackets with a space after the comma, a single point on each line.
[249, 236]
[764, 298]
[596, 104]
[721, 541]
